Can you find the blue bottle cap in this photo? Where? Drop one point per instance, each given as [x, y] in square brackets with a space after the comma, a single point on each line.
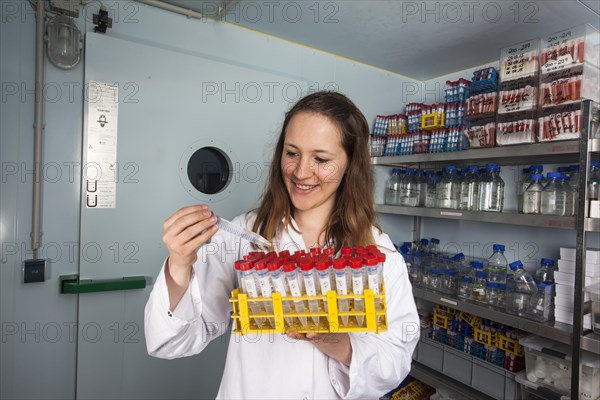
[467, 279]
[403, 249]
[492, 285]
[547, 261]
[553, 175]
[574, 168]
[434, 240]
[515, 265]
[536, 168]
[450, 272]
[424, 242]
[498, 247]
[477, 264]
[563, 169]
[595, 164]
[502, 286]
[472, 168]
[458, 257]
[408, 244]
[536, 177]
[434, 179]
[410, 170]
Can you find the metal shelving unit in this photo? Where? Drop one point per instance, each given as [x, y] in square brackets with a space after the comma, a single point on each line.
[571, 151]
[553, 330]
[437, 379]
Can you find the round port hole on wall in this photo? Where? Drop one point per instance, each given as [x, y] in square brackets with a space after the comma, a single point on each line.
[206, 171]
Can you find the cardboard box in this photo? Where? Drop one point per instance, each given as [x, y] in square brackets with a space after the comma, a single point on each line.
[569, 279]
[567, 266]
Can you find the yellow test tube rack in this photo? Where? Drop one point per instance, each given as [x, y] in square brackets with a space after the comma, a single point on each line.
[330, 321]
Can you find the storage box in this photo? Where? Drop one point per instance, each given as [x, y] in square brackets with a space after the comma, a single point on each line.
[592, 256]
[594, 291]
[374, 316]
[569, 279]
[548, 363]
[481, 135]
[568, 266]
[534, 391]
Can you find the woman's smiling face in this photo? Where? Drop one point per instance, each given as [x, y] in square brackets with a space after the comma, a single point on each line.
[313, 161]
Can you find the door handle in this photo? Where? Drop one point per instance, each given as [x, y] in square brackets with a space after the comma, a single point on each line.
[73, 285]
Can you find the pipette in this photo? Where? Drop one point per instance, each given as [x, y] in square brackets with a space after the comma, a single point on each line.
[242, 232]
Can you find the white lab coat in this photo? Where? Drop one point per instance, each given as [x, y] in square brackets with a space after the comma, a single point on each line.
[273, 366]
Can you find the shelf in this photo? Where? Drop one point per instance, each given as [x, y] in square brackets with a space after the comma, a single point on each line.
[553, 330]
[549, 152]
[592, 224]
[543, 221]
[439, 380]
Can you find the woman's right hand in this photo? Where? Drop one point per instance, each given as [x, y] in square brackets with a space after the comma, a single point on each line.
[185, 231]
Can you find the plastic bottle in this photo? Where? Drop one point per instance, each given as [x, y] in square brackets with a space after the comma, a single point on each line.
[526, 181]
[373, 265]
[341, 285]
[421, 179]
[497, 265]
[569, 207]
[491, 190]
[552, 196]
[532, 198]
[430, 195]
[594, 181]
[519, 295]
[468, 189]
[434, 247]
[392, 191]
[450, 282]
[492, 294]
[540, 306]
[479, 282]
[448, 189]
[410, 192]
[545, 273]
[465, 287]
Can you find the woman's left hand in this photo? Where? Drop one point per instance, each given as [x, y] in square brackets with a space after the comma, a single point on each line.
[334, 345]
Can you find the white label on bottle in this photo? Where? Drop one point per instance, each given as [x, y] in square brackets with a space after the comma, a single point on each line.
[265, 286]
[309, 285]
[373, 281]
[251, 287]
[294, 287]
[325, 285]
[279, 286]
[357, 284]
[340, 282]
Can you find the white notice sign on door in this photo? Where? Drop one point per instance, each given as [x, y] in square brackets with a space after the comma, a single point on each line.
[99, 173]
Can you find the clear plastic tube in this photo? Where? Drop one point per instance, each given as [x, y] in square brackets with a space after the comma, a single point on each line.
[295, 286]
[243, 233]
[358, 286]
[324, 276]
[264, 282]
[249, 283]
[341, 286]
[280, 286]
[307, 268]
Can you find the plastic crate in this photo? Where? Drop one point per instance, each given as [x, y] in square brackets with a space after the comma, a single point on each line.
[330, 321]
[548, 364]
[432, 121]
[509, 345]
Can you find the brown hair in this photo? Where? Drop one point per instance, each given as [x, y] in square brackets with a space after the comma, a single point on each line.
[350, 223]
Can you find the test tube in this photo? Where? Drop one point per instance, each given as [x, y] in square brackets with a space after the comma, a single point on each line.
[295, 285]
[341, 285]
[279, 285]
[249, 283]
[358, 286]
[307, 269]
[373, 280]
[324, 275]
[264, 282]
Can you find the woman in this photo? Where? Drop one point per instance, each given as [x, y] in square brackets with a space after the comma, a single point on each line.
[319, 193]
